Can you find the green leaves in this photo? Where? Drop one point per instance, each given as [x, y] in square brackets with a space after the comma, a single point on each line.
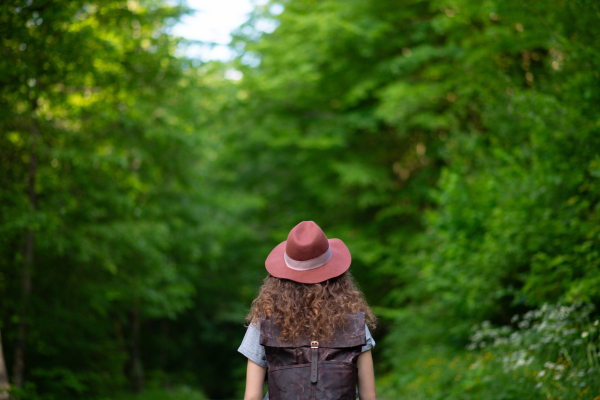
[452, 145]
[119, 206]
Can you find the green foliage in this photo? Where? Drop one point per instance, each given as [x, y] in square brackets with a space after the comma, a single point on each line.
[552, 354]
[177, 393]
[452, 144]
[120, 209]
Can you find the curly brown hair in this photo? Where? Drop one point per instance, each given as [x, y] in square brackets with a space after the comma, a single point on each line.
[309, 310]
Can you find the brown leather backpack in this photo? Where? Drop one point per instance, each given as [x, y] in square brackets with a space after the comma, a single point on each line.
[306, 370]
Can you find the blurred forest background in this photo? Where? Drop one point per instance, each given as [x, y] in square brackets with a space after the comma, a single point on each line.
[454, 145]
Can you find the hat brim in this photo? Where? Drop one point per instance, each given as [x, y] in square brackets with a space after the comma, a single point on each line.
[338, 264]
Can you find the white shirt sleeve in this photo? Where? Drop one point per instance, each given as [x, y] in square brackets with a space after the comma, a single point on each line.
[370, 341]
[251, 347]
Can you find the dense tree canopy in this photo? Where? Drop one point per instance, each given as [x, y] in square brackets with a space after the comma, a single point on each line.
[452, 144]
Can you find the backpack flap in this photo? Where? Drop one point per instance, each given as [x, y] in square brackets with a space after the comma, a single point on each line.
[350, 335]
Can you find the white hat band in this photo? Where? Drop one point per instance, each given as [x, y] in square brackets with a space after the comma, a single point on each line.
[308, 264]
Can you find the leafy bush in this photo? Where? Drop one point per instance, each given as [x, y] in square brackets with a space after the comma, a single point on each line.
[177, 393]
[551, 353]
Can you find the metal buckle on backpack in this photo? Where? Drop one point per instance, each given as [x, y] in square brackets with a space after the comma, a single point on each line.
[314, 344]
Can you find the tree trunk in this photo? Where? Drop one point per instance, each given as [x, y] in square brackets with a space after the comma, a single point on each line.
[164, 353]
[19, 366]
[4, 385]
[138, 372]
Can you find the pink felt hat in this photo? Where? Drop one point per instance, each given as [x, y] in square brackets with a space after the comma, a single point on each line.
[307, 256]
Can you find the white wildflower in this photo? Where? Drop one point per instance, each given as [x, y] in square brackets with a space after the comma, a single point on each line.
[546, 339]
[524, 324]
